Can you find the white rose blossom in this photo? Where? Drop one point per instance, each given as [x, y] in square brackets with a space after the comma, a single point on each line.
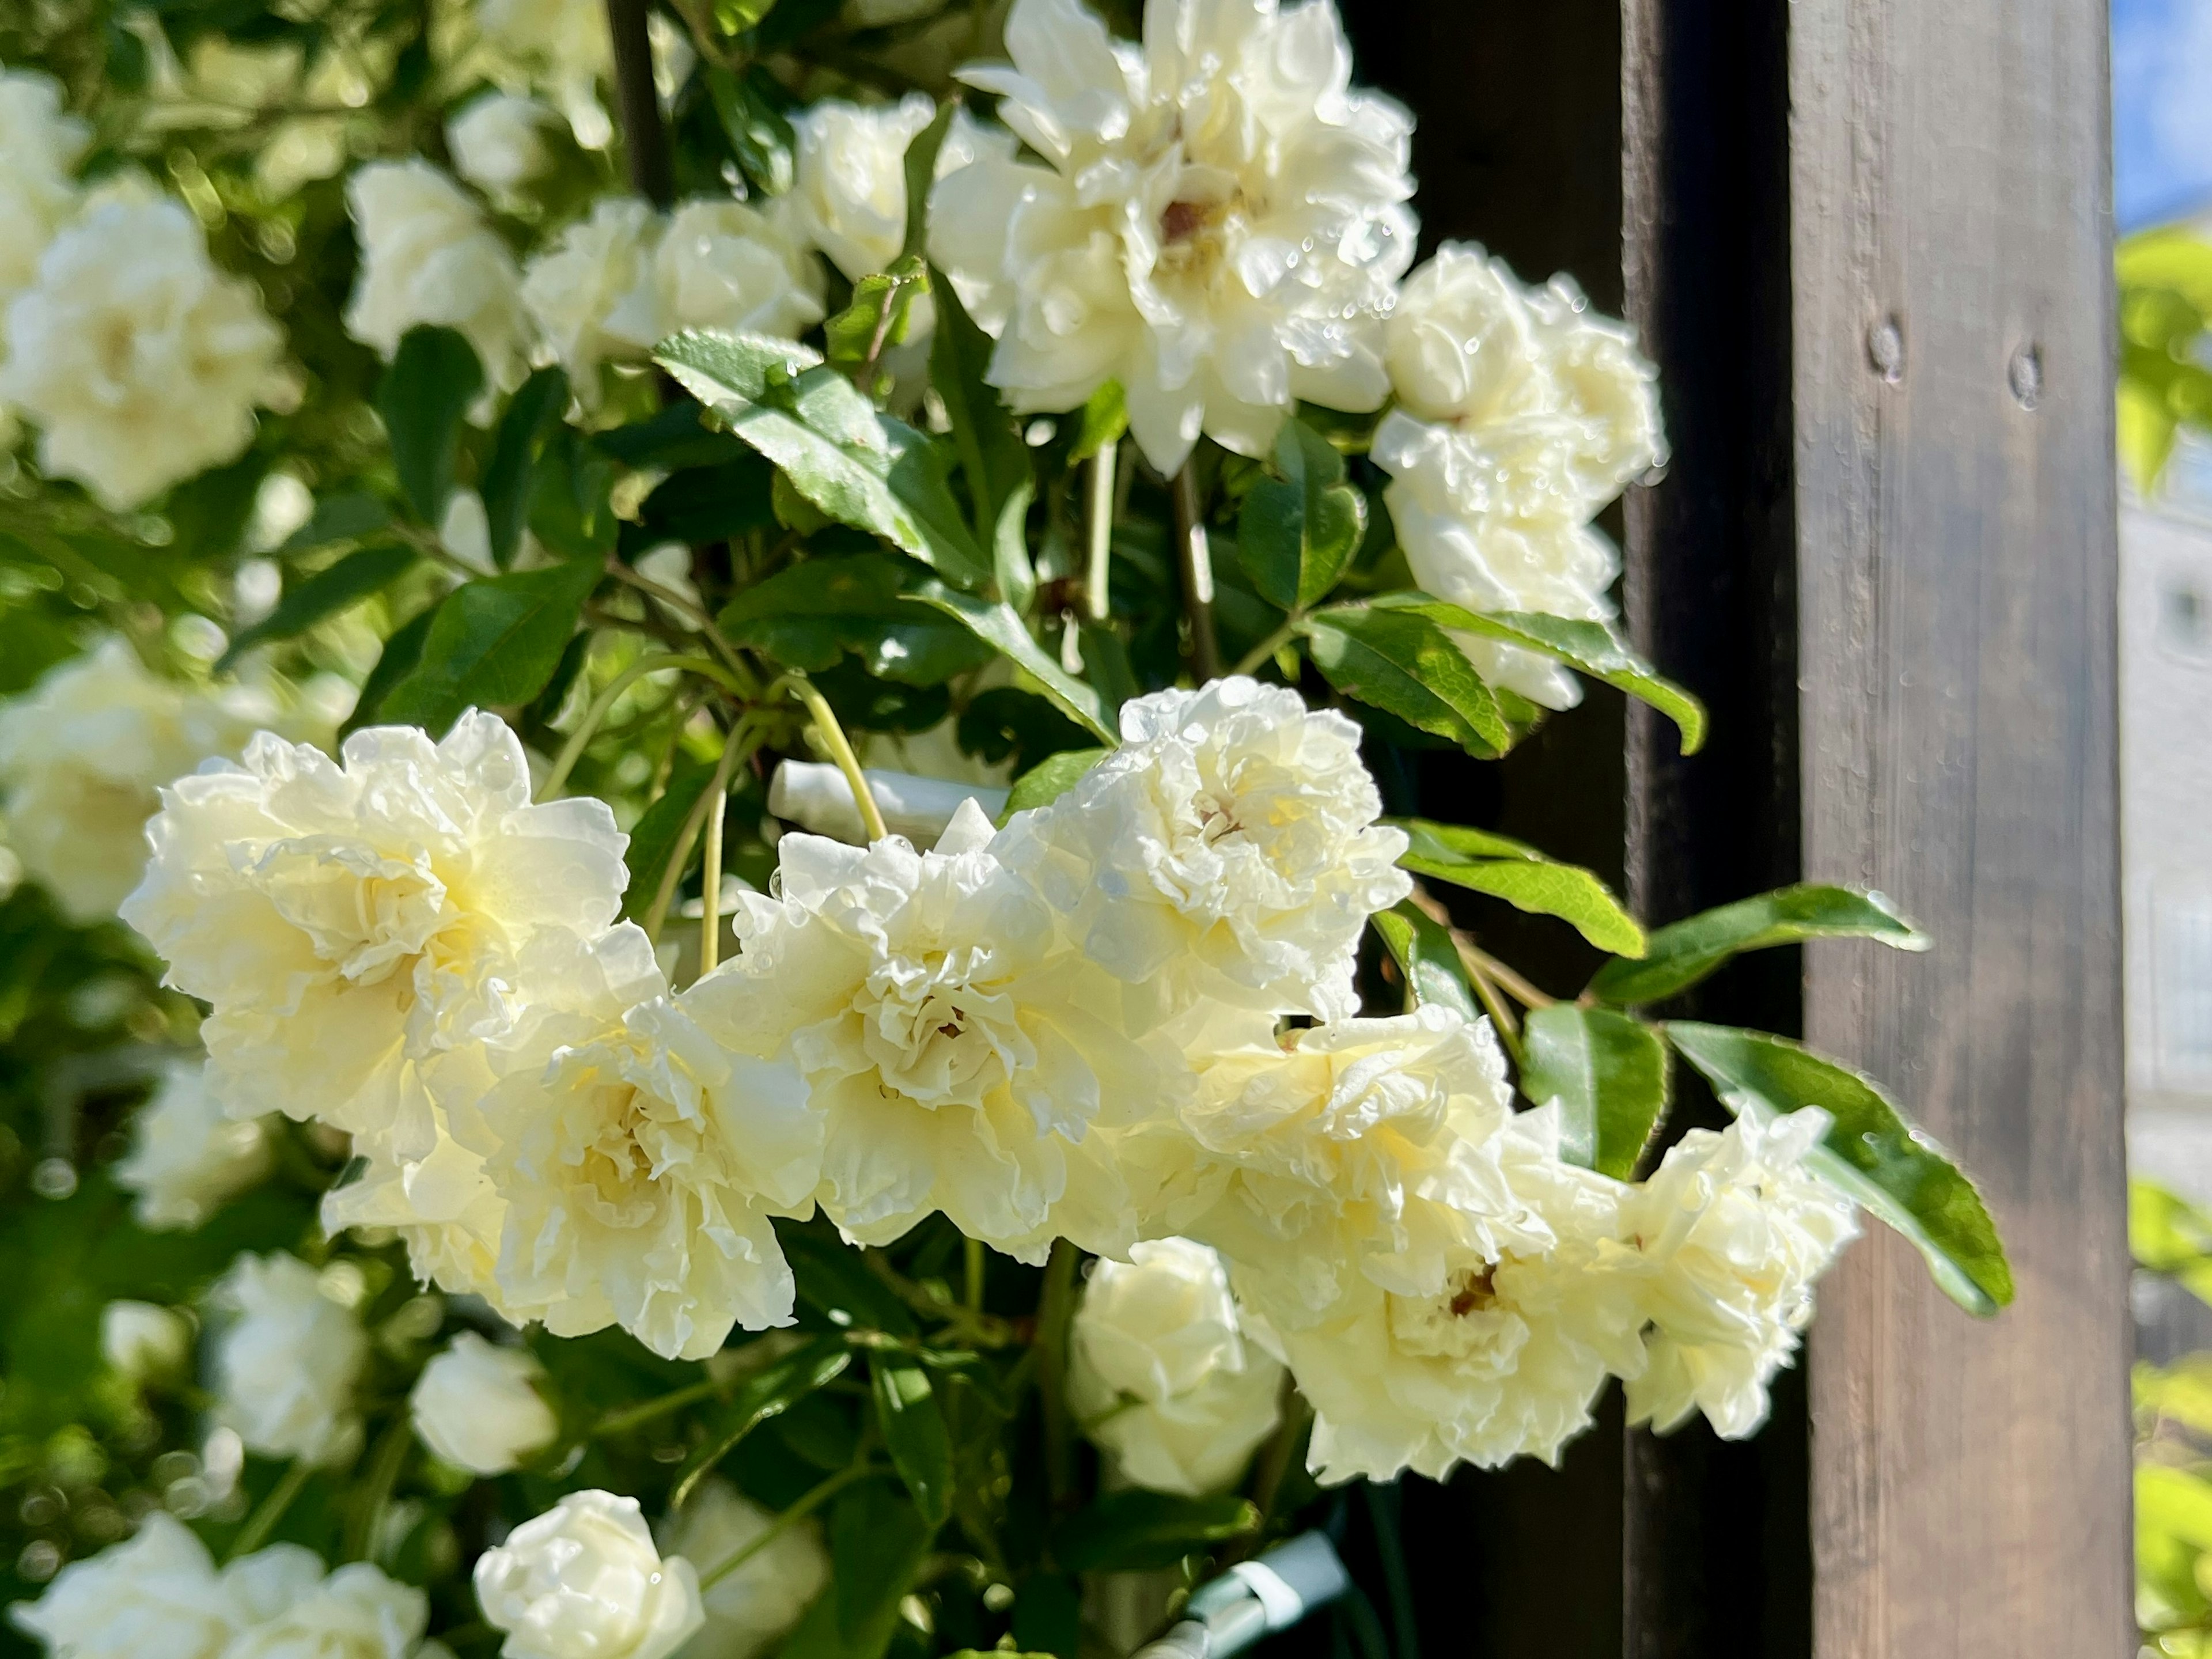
[639, 1162]
[347, 918]
[298, 1612]
[1368, 1151]
[583, 1581]
[287, 1360]
[478, 1406]
[955, 1054]
[1220, 225]
[848, 189]
[498, 142]
[1520, 414]
[564, 44]
[1229, 846]
[591, 293]
[39, 150]
[187, 1155]
[1731, 1232]
[138, 359]
[143, 1343]
[1159, 1374]
[1505, 1359]
[426, 256]
[156, 1595]
[83, 755]
[750, 1608]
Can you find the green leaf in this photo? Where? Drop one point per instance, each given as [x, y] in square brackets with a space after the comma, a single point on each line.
[352, 578]
[2167, 1234]
[1590, 648]
[208, 513]
[1010, 548]
[423, 398]
[1426, 957]
[342, 518]
[652, 839]
[765, 1393]
[532, 414]
[913, 1433]
[1005, 723]
[810, 614]
[760, 138]
[1102, 421]
[834, 1279]
[1139, 1531]
[571, 498]
[992, 457]
[1870, 1152]
[860, 467]
[1050, 779]
[1608, 1073]
[402, 652]
[1300, 526]
[1678, 956]
[495, 644]
[880, 314]
[1524, 878]
[876, 1545]
[1404, 665]
[920, 167]
[995, 624]
[701, 504]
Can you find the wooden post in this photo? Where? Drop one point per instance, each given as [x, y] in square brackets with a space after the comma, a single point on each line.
[1955, 503]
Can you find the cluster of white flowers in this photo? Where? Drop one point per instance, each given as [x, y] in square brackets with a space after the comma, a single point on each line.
[161, 1593]
[1067, 1028]
[83, 755]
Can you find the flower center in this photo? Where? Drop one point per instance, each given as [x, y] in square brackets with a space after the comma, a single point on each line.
[1469, 1324]
[933, 1035]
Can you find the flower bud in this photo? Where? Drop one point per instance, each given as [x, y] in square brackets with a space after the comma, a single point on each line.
[143, 1342]
[583, 1581]
[477, 1407]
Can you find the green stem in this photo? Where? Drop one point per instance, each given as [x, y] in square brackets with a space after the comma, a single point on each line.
[1195, 560]
[1055, 1308]
[745, 737]
[841, 750]
[1512, 983]
[375, 1494]
[1260, 655]
[1098, 507]
[263, 1520]
[1501, 1016]
[974, 1275]
[710, 880]
[587, 728]
[749, 686]
[791, 1517]
[675, 1399]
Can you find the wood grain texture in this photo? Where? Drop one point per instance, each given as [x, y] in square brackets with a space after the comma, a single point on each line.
[1957, 581]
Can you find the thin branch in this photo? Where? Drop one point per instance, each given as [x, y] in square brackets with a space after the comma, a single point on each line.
[840, 750]
[645, 141]
[1099, 509]
[573, 750]
[1260, 655]
[1195, 560]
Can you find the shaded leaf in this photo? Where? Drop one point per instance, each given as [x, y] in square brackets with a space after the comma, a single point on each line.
[913, 1433]
[423, 398]
[1678, 956]
[995, 624]
[703, 504]
[571, 498]
[834, 1279]
[1427, 959]
[1299, 527]
[918, 166]
[1404, 665]
[1870, 1152]
[760, 136]
[532, 414]
[347, 517]
[763, 1395]
[352, 578]
[494, 643]
[1138, 1531]
[1524, 878]
[1608, 1073]
[811, 614]
[652, 839]
[992, 457]
[402, 652]
[1050, 779]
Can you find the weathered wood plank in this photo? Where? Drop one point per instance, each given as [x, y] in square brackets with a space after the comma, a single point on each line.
[1956, 600]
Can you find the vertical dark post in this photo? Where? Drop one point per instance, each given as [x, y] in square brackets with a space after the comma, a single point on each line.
[645, 139]
[1716, 1552]
[1953, 351]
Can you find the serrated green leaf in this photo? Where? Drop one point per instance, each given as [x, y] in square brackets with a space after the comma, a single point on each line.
[402, 652]
[1427, 959]
[992, 457]
[1051, 777]
[913, 1427]
[726, 370]
[1524, 878]
[653, 838]
[351, 580]
[530, 415]
[423, 398]
[1589, 647]
[1899, 1173]
[1299, 527]
[995, 624]
[811, 614]
[1138, 1531]
[494, 643]
[1406, 666]
[766, 1392]
[1608, 1075]
[880, 314]
[1678, 956]
[860, 467]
